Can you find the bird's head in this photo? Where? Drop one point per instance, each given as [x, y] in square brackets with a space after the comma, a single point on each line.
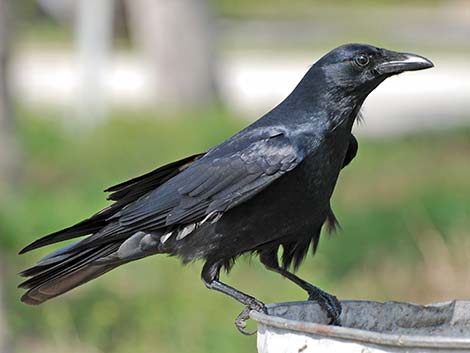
[361, 67]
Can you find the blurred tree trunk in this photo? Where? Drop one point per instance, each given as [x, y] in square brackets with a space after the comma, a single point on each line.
[7, 146]
[177, 38]
[93, 36]
[8, 155]
[3, 324]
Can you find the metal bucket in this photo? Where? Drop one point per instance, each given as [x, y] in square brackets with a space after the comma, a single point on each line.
[367, 327]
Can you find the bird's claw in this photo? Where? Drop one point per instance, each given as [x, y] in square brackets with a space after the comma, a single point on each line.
[240, 321]
[329, 303]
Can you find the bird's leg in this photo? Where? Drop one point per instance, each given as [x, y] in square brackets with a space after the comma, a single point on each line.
[210, 277]
[328, 302]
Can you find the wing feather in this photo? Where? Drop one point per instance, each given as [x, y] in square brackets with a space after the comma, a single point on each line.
[215, 183]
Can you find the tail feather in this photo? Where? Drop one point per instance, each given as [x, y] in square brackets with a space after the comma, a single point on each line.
[88, 226]
[98, 253]
[53, 269]
[47, 262]
[123, 194]
[57, 277]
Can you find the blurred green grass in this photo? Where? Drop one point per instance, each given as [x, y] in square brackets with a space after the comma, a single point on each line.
[282, 9]
[395, 193]
[327, 25]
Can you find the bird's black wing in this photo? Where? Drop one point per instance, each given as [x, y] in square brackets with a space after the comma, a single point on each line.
[123, 194]
[351, 152]
[225, 177]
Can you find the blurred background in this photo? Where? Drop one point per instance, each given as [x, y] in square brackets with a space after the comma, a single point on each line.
[95, 92]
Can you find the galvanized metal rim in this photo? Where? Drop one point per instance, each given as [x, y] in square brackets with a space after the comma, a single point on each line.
[410, 341]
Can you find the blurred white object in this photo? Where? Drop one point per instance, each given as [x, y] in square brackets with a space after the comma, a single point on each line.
[94, 36]
[176, 39]
[253, 84]
[439, 97]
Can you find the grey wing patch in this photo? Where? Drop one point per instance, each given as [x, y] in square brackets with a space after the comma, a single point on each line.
[212, 185]
[139, 245]
[250, 171]
[166, 236]
[184, 231]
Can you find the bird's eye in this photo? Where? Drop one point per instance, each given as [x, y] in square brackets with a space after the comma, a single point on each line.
[361, 60]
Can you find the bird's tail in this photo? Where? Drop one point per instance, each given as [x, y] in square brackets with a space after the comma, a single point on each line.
[62, 271]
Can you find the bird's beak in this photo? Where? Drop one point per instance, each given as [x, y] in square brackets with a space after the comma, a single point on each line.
[396, 63]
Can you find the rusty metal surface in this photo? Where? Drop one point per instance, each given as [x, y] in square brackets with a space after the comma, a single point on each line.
[437, 327]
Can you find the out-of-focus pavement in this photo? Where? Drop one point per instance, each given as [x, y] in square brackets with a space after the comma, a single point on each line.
[252, 83]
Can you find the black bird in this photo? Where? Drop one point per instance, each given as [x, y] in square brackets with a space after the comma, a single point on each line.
[265, 188]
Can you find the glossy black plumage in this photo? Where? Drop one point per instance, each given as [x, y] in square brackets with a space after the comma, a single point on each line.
[267, 187]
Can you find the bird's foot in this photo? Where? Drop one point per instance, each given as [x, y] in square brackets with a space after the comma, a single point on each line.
[240, 321]
[328, 302]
